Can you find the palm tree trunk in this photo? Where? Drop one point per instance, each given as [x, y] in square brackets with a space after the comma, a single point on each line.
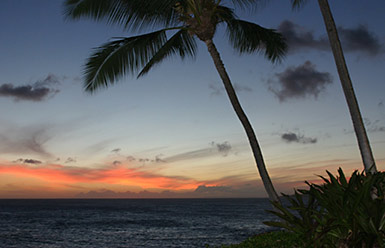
[244, 120]
[359, 128]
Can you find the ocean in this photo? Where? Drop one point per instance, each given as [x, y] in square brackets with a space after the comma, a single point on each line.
[102, 223]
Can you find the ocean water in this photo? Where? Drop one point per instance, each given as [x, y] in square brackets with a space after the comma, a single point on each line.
[130, 222]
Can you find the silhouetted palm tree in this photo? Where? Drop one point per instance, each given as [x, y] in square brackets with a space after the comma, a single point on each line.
[184, 21]
[346, 82]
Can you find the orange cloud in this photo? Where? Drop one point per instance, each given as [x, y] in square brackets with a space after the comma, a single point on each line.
[59, 174]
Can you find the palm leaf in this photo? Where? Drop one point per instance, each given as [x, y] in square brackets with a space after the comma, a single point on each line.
[117, 58]
[180, 43]
[131, 14]
[248, 3]
[247, 37]
[297, 4]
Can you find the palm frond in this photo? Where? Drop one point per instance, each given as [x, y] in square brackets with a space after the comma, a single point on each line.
[180, 43]
[131, 14]
[225, 14]
[253, 4]
[297, 4]
[247, 37]
[117, 58]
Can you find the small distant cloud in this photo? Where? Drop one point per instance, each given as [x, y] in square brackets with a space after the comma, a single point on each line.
[38, 91]
[374, 126]
[131, 158]
[223, 148]
[299, 82]
[116, 150]
[116, 163]
[28, 161]
[70, 160]
[380, 104]
[291, 137]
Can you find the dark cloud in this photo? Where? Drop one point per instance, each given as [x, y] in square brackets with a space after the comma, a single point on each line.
[38, 91]
[299, 38]
[360, 39]
[223, 148]
[116, 150]
[381, 104]
[299, 82]
[28, 161]
[70, 160]
[116, 162]
[131, 158]
[290, 137]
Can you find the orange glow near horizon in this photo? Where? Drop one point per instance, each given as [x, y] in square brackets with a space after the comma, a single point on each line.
[56, 175]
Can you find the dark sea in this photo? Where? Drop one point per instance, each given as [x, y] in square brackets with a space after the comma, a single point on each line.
[100, 223]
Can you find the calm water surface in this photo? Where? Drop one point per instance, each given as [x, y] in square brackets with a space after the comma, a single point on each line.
[130, 222]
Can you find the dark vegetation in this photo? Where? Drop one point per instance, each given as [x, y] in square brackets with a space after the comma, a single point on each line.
[338, 213]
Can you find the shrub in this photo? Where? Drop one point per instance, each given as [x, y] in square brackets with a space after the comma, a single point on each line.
[338, 213]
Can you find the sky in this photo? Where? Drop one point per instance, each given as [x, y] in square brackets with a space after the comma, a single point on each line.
[173, 132]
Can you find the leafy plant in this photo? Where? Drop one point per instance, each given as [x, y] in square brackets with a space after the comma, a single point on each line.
[338, 213]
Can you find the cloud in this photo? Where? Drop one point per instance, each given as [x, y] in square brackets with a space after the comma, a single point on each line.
[28, 161]
[116, 163]
[298, 38]
[373, 126]
[70, 160]
[299, 82]
[358, 39]
[214, 149]
[223, 148]
[116, 150]
[38, 91]
[25, 140]
[291, 137]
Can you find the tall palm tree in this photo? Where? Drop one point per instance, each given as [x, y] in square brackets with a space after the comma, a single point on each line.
[347, 86]
[181, 22]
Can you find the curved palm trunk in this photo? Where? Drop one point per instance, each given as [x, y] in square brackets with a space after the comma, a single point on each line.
[244, 120]
[359, 128]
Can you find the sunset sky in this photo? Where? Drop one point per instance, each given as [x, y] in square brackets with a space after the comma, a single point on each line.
[173, 133]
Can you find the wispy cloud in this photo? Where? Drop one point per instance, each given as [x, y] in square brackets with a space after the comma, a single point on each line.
[299, 82]
[38, 91]
[214, 149]
[28, 140]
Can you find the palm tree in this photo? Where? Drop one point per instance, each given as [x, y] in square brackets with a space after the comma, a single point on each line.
[347, 86]
[183, 21]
